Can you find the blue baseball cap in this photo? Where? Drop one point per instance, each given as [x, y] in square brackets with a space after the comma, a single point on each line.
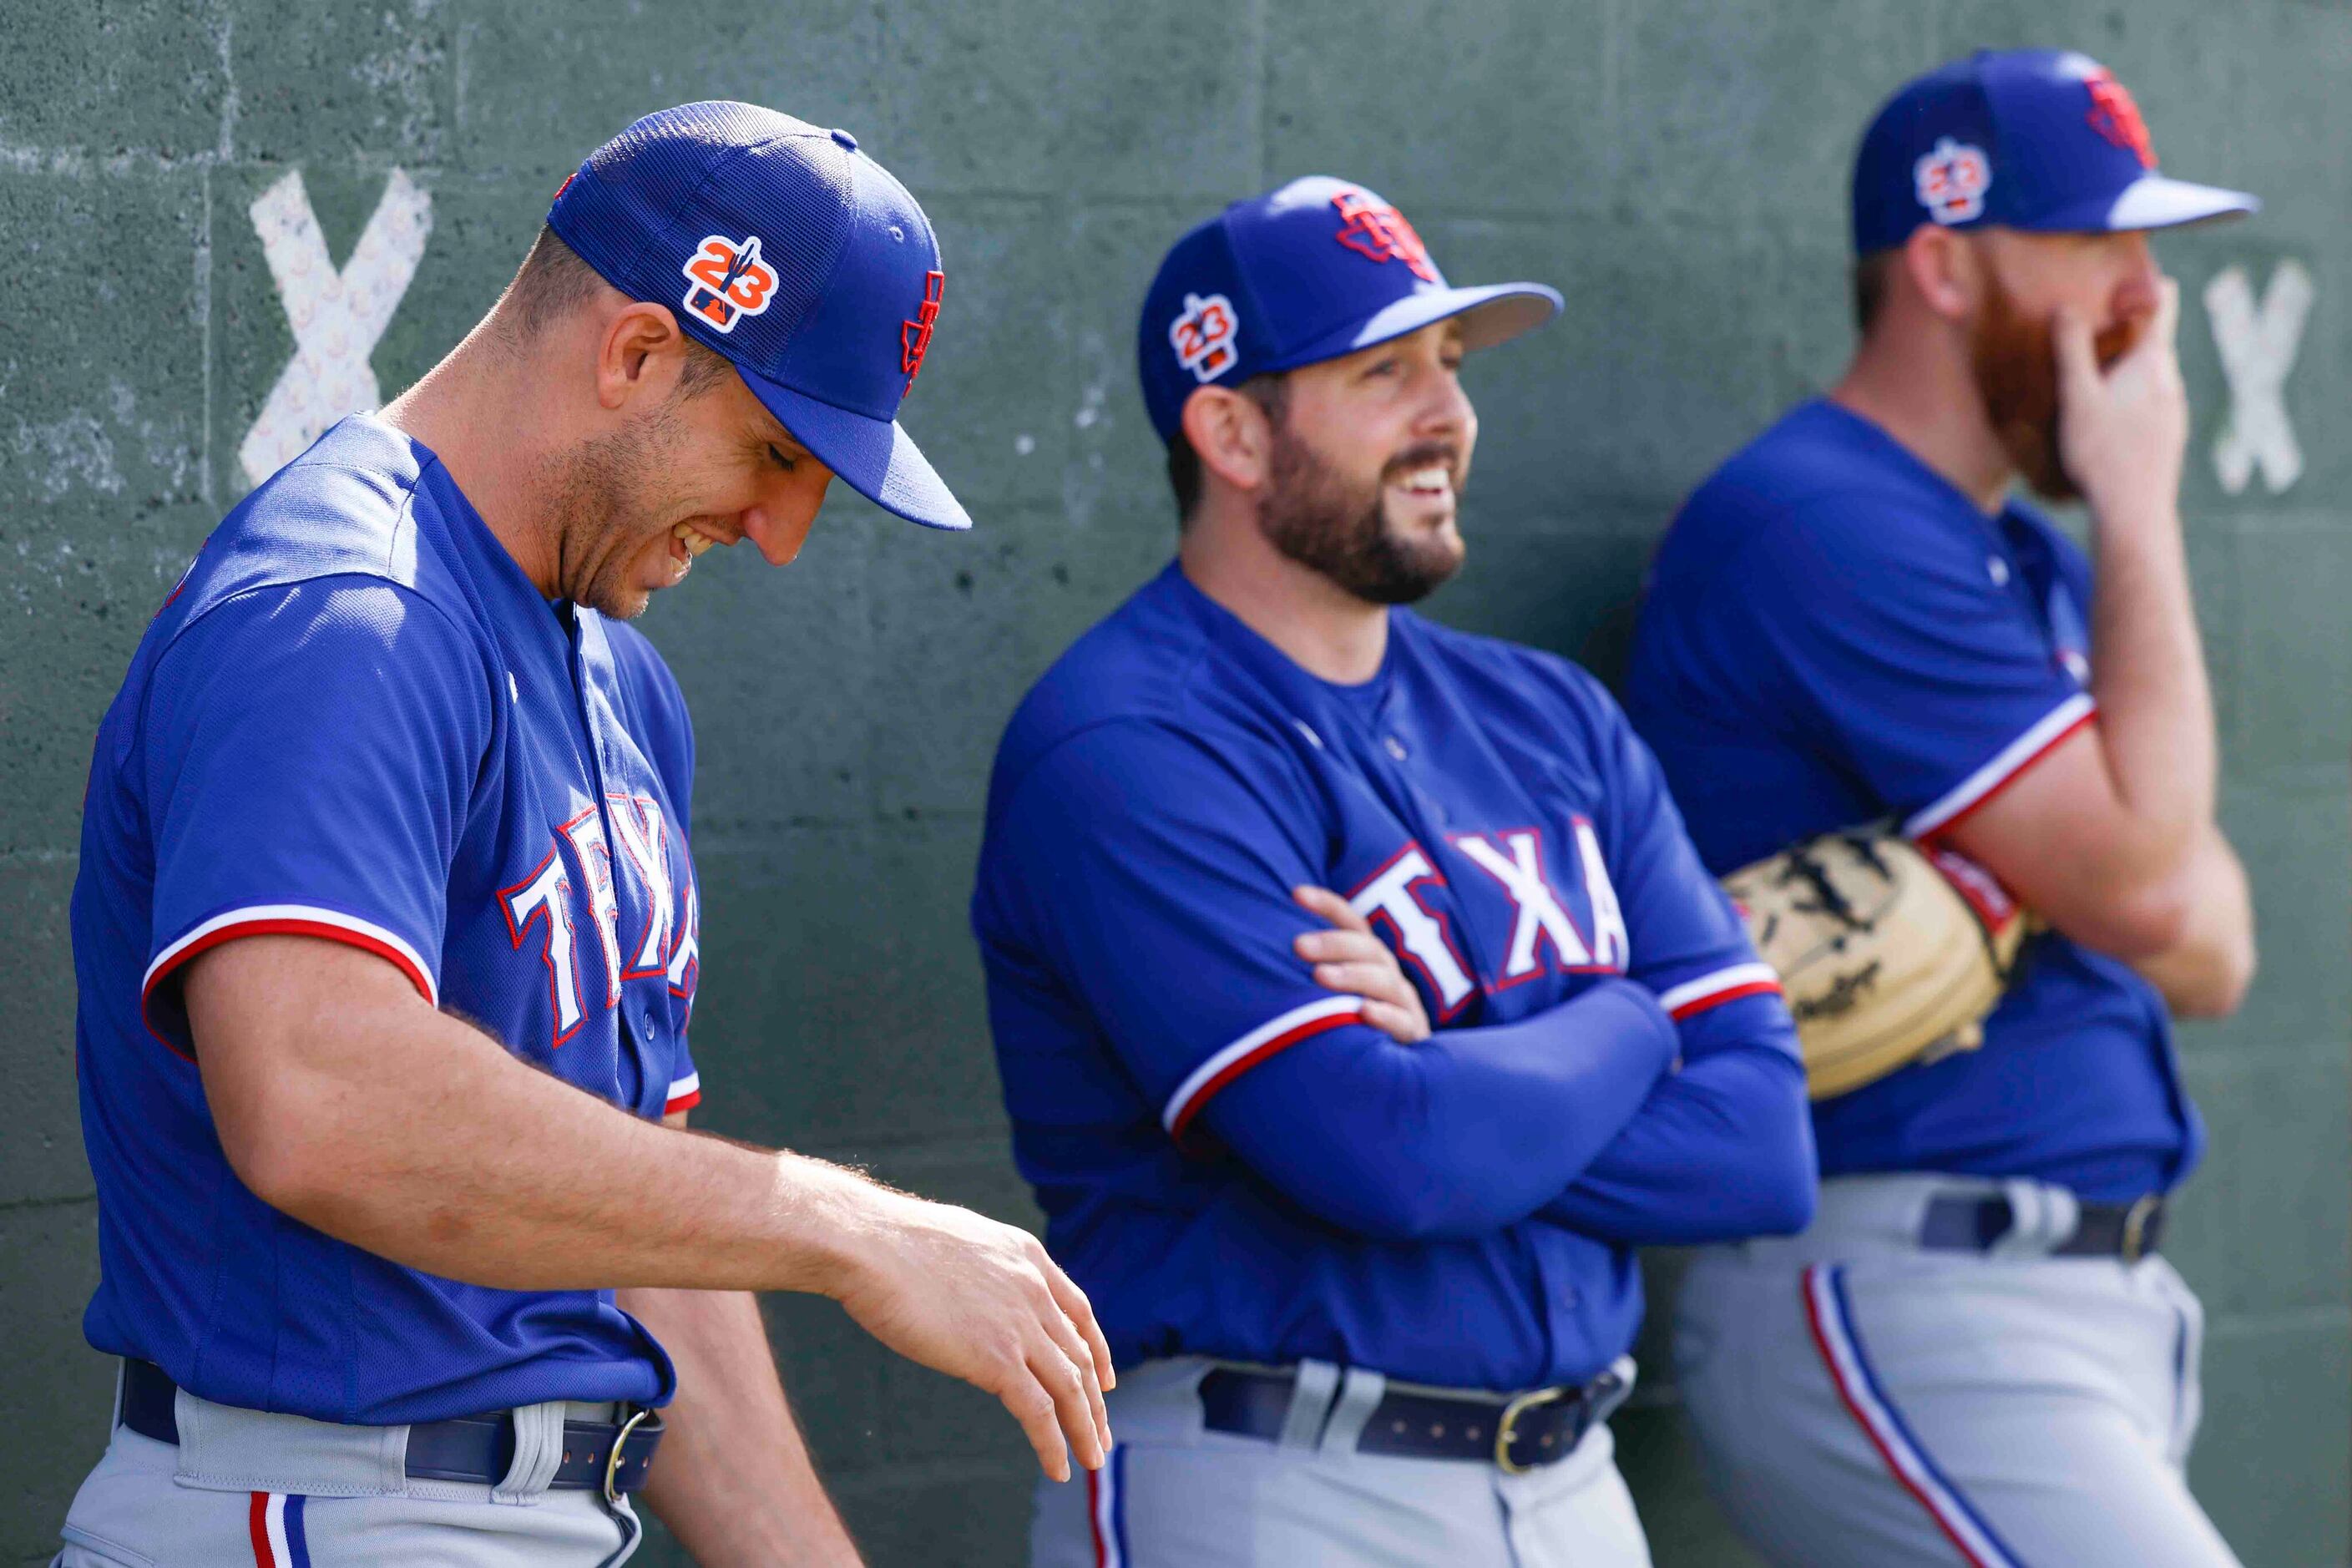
[1318, 269]
[2042, 139]
[784, 248]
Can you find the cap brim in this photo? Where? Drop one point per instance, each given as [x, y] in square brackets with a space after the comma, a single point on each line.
[876, 458]
[2152, 201]
[1493, 313]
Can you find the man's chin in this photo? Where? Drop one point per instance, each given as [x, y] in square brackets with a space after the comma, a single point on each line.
[1408, 575]
[627, 608]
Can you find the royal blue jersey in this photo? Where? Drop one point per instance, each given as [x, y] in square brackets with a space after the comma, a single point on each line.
[1232, 1162]
[1833, 635]
[355, 719]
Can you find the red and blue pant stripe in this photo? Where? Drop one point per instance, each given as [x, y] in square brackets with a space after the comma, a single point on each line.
[279, 1539]
[1830, 1314]
[1107, 1509]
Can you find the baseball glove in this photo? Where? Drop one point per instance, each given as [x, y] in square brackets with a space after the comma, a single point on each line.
[1889, 953]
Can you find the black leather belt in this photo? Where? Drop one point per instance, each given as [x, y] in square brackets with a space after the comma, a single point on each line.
[2126, 1231]
[464, 1448]
[1518, 1434]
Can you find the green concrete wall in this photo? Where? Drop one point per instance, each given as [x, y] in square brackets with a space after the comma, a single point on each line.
[1676, 166]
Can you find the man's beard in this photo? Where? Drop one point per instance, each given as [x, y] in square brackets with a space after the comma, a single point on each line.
[605, 506]
[1315, 517]
[2016, 365]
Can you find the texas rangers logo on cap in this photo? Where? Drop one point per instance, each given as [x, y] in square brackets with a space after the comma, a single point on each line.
[1952, 179]
[728, 280]
[1203, 337]
[2116, 116]
[1376, 229]
[915, 334]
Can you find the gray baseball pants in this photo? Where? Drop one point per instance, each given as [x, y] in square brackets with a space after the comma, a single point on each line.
[1862, 1402]
[1176, 1495]
[251, 1489]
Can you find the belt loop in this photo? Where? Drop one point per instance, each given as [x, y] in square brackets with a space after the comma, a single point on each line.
[1310, 1402]
[538, 1449]
[2043, 1218]
[1360, 1393]
[1610, 1391]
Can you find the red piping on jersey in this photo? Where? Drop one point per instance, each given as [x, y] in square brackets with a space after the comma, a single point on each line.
[1242, 1064]
[1943, 829]
[1731, 994]
[276, 926]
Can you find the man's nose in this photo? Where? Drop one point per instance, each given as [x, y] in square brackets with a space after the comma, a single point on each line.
[776, 542]
[2142, 286]
[1448, 408]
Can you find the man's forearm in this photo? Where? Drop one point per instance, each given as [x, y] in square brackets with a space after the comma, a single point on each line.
[1469, 1130]
[2206, 972]
[1721, 1149]
[483, 1170]
[733, 1480]
[2155, 710]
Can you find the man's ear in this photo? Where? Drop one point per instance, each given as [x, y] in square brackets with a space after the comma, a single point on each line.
[639, 356]
[1232, 435]
[1945, 270]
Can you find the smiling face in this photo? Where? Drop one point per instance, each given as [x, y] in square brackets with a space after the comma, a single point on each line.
[1370, 452]
[708, 465]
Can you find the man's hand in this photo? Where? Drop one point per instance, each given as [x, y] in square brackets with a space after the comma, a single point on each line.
[1350, 959]
[2122, 432]
[980, 1301]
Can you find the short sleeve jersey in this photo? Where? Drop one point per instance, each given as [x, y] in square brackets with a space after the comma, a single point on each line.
[1833, 635]
[356, 720]
[1155, 800]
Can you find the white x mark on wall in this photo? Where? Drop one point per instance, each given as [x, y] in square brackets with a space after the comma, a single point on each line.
[2258, 344]
[338, 317]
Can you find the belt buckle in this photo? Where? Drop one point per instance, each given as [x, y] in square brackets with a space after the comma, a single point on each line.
[1505, 1429]
[612, 1460]
[2136, 1219]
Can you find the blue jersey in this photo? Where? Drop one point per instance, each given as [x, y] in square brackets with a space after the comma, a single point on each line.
[355, 719]
[1834, 634]
[1232, 1162]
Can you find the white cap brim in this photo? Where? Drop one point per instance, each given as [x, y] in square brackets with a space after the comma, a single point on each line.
[2154, 201]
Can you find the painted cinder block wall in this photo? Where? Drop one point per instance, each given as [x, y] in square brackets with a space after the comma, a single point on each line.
[1674, 166]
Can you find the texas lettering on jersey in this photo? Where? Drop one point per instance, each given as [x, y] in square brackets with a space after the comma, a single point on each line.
[543, 907]
[1397, 900]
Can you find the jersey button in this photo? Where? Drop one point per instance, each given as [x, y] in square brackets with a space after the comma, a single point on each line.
[1396, 748]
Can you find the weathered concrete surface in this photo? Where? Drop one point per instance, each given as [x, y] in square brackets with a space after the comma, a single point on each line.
[1676, 166]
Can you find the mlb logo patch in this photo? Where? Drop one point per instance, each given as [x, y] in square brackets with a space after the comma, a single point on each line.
[1952, 180]
[1203, 337]
[728, 282]
[1378, 230]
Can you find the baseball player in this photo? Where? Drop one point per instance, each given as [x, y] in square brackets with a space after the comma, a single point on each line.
[387, 933]
[1359, 1002]
[1974, 1354]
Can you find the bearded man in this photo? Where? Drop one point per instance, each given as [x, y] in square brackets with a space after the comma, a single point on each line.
[388, 933]
[1359, 1002]
[1974, 1354]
